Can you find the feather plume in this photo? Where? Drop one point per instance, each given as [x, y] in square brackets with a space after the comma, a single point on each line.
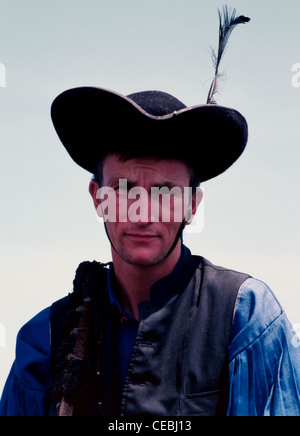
[228, 21]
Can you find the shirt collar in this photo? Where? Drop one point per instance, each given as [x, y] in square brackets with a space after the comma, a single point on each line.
[163, 288]
[178, 280]
[115, 304]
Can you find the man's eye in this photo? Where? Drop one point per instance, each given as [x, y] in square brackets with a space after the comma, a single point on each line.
[119, 187]
[165, 190]
[125, 187]
[122, 189]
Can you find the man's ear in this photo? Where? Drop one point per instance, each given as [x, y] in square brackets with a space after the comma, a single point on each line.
[93, 190]
[196, 200]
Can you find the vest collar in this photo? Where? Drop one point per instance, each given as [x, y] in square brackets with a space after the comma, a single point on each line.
[164, 288]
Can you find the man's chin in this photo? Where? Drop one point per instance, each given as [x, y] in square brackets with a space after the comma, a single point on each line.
[143, 258]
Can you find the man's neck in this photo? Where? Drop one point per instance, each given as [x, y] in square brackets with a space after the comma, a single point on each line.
[133, 282]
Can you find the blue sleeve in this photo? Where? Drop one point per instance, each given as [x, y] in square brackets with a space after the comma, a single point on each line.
[264, 368]
[29, 381]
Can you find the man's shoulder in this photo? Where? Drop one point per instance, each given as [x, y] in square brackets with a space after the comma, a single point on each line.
[205, 263]
[35, 329]
[254, 295]
[220, 280]
[33, 351]
[255, 298]
[256, 306]
[256, 310]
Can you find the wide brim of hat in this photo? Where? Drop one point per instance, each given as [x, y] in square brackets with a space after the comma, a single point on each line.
[92, 122]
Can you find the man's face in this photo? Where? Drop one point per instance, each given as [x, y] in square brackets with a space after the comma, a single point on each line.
[145, 224]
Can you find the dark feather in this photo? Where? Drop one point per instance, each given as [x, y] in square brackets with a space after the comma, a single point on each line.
[228, 21]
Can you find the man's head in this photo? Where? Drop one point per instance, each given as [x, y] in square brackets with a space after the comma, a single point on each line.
[144, 201]
[166, 142]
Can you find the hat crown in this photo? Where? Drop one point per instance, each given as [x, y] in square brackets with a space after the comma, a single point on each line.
[157, 103]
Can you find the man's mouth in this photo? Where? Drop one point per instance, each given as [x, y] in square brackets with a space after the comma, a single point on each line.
[141, 237]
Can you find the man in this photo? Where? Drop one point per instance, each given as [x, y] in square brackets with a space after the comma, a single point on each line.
[161, 332]
[157, 331]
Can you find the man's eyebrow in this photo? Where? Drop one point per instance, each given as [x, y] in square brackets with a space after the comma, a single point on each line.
[115, 180]
[166, 184]
[119, 181]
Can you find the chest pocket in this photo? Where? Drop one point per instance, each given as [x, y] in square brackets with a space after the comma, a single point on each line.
[202, 404]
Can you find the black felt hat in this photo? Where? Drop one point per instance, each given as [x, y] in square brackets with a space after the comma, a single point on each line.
[92, 122]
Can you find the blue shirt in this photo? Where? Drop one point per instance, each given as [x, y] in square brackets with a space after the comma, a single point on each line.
[264, 354]
[127, 331]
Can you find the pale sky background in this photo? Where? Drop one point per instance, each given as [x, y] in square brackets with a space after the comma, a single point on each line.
[47, 222]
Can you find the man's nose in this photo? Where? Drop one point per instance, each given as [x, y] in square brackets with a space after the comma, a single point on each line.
[139, 206]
